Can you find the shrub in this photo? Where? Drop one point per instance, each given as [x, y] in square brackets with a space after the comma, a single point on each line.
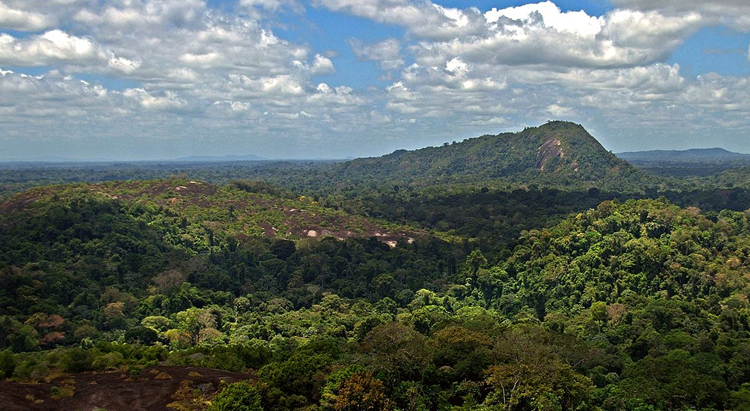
[8, 362]
[239, 396]
[141, 335]
[76, 360]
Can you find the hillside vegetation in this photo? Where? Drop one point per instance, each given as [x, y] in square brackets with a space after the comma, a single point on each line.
[585, 314]
[562, 152]
[491, 274]
[555, 155]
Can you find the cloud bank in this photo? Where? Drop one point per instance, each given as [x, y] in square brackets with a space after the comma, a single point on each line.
[189, 76]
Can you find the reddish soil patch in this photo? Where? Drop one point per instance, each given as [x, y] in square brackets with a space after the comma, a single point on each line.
[19, 202]
[268, 230]
[157, 188]
[114, 391]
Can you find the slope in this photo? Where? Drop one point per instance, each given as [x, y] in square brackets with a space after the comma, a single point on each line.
[206, 211]
[555, 155]
[636, 249]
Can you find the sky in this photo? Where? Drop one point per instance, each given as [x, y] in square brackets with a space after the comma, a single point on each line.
[160, 79]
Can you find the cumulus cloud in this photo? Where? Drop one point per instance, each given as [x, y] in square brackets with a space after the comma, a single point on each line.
[186, 67]
[322, 65]
[548, 14]
[175, 56]
[541, 34]
[23, 97]
[734, 13]
[52, 46]
[386, 52]
[23, 20]
[58, 47]
[424, 19]
[537, 33]
[168, 101]
[278, 85]
[535, 58]
[162, 43]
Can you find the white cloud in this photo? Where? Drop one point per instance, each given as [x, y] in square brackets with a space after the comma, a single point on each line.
[206, 60]
[122, 64]
[559, 111]
[733, 13]
[540, 34]
[23, 20]
[50, 47]
[386, 52]
[656, 78]
[153, 41]
[573, 22]
[334, 98]
[649, 30]
[534, 34]
[238, 106]
[322, 65]
[278, 85]
[58, 47]
[188, 68]
[168, 101]
[424, 19]
[457, 67]
[32, 96]
[722, 7]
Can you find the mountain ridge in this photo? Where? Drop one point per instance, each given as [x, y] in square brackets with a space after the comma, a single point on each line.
[227, 158]
[690, 155]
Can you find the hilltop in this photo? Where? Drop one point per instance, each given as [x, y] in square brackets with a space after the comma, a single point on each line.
[556, 155]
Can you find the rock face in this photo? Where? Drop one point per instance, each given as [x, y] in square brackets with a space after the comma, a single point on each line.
[114, 391]
[569, 149]
[551, 148]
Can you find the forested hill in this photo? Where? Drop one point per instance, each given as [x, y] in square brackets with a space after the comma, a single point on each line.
[197, 215]
[557, 155]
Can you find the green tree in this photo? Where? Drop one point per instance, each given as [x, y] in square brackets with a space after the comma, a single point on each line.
[238, 396]
[141, 335]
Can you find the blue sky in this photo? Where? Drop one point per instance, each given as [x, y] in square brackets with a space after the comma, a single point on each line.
[155, 79]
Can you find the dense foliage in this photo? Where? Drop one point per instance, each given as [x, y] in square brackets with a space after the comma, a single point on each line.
[628, 305]
[405, 287]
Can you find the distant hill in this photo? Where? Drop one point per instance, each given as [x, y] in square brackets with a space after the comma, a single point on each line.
[249, 157]
[693, 155]
[686, 164]
[556, 154]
